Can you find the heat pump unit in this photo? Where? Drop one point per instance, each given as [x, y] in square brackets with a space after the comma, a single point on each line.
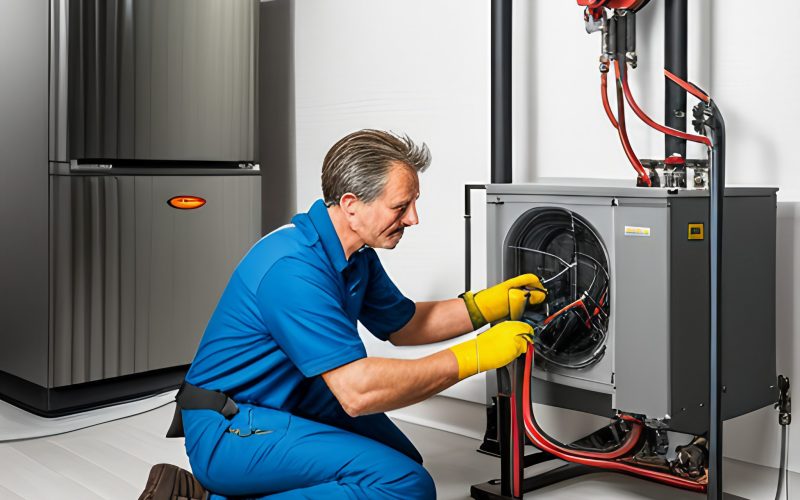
[625, 326]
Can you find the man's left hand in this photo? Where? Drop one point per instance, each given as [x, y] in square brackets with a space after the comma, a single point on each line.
[504, 300]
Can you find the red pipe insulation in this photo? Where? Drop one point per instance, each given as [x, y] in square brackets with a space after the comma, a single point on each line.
[604, 95]
[688, 87]
[620, 126]
[609, 461]
[623, 137]
[641, 114]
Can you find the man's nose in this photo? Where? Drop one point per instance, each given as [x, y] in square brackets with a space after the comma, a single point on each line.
[410, 218]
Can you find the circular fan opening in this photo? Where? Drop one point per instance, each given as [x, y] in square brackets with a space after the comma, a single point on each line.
[563, 249]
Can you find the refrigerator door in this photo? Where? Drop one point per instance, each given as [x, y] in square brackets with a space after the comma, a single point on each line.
[135, 280]
[153, 80]
[184, 259]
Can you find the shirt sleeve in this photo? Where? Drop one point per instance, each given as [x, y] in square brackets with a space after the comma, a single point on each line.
[301, 307]
[385, 309]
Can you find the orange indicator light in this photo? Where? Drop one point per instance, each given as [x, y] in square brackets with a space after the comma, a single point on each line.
[186, 202]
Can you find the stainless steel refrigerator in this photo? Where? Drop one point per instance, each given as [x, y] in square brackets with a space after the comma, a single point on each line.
[128, 190]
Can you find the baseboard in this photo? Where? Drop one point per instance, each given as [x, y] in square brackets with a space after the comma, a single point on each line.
[447, 414]
[60, 401]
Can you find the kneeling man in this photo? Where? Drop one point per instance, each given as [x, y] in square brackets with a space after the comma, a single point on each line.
[298, 405]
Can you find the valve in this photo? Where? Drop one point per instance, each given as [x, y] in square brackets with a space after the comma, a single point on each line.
[784, 403]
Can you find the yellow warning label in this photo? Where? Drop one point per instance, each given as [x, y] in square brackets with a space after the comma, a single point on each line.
[696, 231]
[637, 231]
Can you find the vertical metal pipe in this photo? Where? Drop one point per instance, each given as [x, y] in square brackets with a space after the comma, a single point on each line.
[675, 56]
[468, 188]
[504, 432]
[612, 36]
[621, 35]
[467, 239]
[630, 39]
[717, 132]
[501, 91]
[630, 31]
[501, 173]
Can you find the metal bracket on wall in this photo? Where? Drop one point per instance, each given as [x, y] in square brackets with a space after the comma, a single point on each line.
[468, 188]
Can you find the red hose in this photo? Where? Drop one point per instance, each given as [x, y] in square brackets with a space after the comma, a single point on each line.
[688, 87]
[578, 302]
[603, 461]
[630, 442]
[623, 137]
[604, 95]
[641, 114]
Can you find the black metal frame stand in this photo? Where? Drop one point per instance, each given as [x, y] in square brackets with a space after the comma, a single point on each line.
[492, 490]
[511, 436]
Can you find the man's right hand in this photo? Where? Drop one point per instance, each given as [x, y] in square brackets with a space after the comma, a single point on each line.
[494, 348]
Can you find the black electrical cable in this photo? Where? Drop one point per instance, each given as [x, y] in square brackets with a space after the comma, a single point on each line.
[787, 462]
[783, 473]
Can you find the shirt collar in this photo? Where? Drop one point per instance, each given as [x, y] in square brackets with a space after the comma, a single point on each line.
[321, 220]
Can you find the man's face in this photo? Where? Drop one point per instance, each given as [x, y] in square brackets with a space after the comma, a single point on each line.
[381, 222]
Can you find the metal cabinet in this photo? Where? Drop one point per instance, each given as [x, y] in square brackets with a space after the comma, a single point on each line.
[135, 280]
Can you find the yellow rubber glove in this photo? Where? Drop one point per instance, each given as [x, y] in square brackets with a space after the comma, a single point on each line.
[504, 300]
[494, 348]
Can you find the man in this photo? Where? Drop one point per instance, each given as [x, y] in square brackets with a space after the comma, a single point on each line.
[301, 408]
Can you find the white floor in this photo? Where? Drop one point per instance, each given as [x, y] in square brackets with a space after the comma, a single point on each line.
[112, 460]
[16, 423]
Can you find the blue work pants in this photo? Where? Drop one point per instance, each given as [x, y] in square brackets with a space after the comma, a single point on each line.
[266, 453]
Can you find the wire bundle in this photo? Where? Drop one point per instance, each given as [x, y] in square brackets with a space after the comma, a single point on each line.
[570, 327]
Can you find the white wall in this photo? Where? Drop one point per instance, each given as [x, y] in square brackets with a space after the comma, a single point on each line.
[417, 67]
[422, 67]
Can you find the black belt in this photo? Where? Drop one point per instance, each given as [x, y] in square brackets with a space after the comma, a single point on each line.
[191, 397]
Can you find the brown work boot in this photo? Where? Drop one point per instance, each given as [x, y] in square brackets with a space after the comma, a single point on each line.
[170, 482]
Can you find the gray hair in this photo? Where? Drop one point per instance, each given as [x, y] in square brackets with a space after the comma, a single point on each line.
[359, 163]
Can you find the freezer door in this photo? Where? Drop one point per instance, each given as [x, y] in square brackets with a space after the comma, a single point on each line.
[134, 280]
[153, 80]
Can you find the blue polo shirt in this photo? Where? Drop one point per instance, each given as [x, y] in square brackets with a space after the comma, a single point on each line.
[289, 313]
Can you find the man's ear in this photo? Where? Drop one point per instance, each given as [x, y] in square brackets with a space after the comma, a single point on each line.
[349, 203]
